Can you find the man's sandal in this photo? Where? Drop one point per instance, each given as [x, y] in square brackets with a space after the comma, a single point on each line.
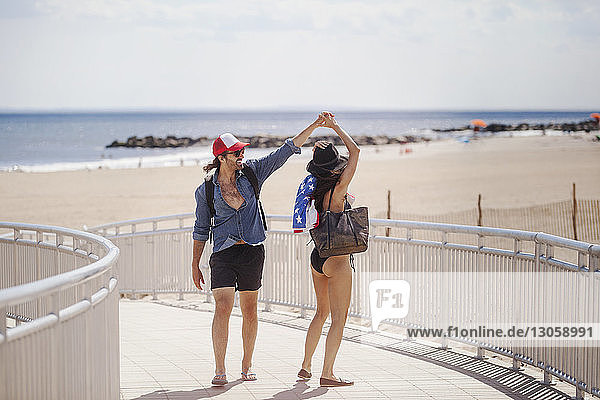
[248, 375]
[220, 380]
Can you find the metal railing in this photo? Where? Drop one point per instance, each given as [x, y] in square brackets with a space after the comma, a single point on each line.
[59, 314]
[443, 262]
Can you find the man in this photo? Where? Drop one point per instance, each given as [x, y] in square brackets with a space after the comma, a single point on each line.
[238, 233]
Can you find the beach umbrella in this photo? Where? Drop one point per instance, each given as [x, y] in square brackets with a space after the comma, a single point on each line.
[477, 124]
[596, 116]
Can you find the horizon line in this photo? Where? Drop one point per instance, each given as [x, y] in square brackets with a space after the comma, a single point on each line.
[299, 109]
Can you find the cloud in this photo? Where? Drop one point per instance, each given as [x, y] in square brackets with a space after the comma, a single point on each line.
[239, 52]
[18, 9]
[337, 18]
[438, 22]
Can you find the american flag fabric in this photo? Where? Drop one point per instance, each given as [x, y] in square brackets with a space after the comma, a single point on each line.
[305, 215]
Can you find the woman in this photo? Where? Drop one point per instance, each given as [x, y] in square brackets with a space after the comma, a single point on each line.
[332, 276]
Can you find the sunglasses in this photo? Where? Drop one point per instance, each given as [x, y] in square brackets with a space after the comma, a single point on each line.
[236, 153]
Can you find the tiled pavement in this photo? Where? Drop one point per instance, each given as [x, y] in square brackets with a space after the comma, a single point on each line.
[166, 353]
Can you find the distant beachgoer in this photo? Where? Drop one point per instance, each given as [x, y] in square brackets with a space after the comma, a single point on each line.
[238, 234]
[332, 276]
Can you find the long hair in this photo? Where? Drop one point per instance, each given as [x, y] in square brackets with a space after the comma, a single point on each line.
[324, 185]
[210, 166]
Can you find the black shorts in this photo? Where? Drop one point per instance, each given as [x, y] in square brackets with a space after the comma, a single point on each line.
[238, 266]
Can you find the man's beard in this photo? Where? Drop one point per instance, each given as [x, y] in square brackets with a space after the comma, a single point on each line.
[239, 165]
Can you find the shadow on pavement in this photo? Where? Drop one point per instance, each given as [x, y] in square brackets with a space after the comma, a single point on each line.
[200, 393]
[298, 391]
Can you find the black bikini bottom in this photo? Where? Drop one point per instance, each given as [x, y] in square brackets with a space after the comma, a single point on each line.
[317, 262]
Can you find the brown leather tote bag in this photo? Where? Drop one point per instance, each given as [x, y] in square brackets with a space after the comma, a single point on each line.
[340, 233]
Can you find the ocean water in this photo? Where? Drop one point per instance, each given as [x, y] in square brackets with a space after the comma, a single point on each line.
[41, 142]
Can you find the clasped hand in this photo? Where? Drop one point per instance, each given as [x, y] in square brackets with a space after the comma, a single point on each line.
[326, 120]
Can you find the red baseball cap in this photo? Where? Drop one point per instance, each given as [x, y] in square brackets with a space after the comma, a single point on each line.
[227, 142]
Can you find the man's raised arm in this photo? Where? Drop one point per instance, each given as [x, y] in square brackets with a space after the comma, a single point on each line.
[301, 138]
[265, 166]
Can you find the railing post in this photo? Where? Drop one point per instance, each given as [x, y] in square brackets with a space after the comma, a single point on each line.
[182, 282]
[549, 252]
[38, 269]
[445, 309]
[87, 289]
[154, 259]
[181, 268]
[581, 260]
[3, 324]
[516, 364]
[547, 378]
[15, 253]
[55, 309]
[408, 265]
[132, 266]
[444, 343]
[538, 251]
[480, 353]
[516, 251]
[482, 298]
[57, 257]
[303, 284]
[55, 305]
[594, 262]
[579, 393]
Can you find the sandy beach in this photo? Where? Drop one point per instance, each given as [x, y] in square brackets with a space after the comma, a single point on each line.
[430, 178]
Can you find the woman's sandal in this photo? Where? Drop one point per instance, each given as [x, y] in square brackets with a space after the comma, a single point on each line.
[304, 374]
[324, 382]
[220, 380]
[248, 375]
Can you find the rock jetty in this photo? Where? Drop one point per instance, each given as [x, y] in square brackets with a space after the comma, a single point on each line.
[270, 141]
[587, 126]
[258, 141]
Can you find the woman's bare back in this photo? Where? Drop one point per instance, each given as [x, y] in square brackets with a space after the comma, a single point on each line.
[337, 201]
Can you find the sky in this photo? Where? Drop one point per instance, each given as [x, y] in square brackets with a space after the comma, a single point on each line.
[280, 54]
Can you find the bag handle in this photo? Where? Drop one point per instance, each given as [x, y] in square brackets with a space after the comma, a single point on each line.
[328, 224]
[330, 196]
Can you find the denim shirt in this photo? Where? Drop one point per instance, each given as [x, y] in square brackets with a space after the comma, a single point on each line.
[230, 225]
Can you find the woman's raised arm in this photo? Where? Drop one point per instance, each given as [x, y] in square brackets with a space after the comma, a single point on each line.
[353, 153]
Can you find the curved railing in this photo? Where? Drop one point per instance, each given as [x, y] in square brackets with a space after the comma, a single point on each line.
[458, 274]
[59, 314]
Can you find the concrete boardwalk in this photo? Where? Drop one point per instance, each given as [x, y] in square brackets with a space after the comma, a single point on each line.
[166, 353]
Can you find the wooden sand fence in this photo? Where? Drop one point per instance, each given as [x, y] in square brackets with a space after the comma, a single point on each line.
[575, 219]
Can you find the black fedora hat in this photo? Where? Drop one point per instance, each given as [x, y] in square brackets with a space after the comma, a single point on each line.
[326, 160]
